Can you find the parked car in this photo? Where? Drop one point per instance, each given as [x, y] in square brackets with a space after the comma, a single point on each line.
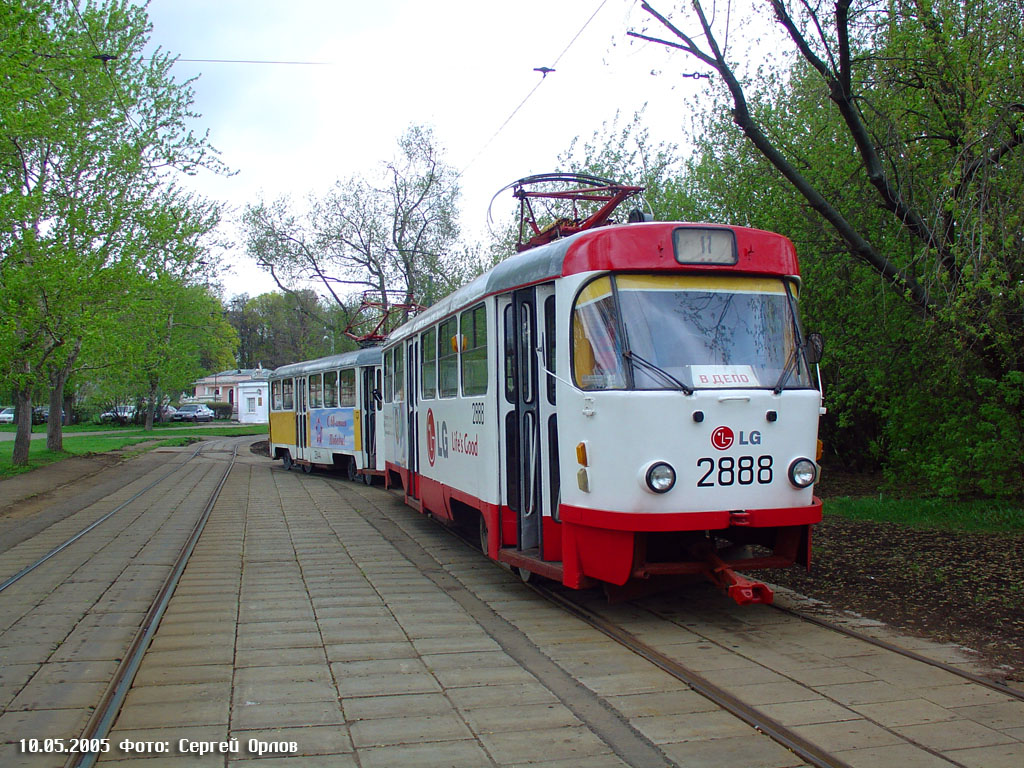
[121, 413]
[41, 414]
[7, 416]
[192, 412]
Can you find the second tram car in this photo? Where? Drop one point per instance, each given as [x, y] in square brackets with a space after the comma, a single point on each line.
[631, 401]
[325, 413]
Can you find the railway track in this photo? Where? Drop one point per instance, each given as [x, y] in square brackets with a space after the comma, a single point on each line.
[103, 716]
[776, 640]
[805, 749]
[67, 542]
[153, 511]
[995, 685]
[716, 627]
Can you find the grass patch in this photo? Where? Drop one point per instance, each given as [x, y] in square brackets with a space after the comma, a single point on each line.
[976, 516]
[73, 429]
[82, 443]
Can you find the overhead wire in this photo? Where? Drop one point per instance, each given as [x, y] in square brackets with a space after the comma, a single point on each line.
[497, 132]
[253, 61]
[105, 59]
[532, 91]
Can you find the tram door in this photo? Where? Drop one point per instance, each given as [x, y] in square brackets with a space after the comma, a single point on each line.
[526, 421]
[412, 368]
[370, 393]
[301, 420]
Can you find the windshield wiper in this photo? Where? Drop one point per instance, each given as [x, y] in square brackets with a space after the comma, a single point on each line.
[791, 363]
[661, 372]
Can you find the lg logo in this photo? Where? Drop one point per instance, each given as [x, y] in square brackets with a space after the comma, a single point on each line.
[723, 438]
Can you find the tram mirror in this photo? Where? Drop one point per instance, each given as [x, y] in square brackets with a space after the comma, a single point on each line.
[815, 347]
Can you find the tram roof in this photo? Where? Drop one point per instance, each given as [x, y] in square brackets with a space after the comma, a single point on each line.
[367, 356]
[649, 247]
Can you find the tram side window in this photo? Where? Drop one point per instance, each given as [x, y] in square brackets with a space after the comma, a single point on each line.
[399, 374]
[474, 351]
[288, 394]
[389, 386]
[276, 404]
[448, 358]
[549, 346]
[510, 354]
[316, 390]
[429, 370]
[348, 388]
[331, 389]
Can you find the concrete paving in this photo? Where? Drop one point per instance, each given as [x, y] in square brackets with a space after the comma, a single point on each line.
[321, 622]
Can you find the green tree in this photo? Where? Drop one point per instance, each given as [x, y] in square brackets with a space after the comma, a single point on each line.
[90, 133]
[279, 328]
[916, 172]
[626, 153]
[394, 236]
[176, 334]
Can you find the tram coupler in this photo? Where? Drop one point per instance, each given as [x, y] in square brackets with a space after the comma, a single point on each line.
[741, 589]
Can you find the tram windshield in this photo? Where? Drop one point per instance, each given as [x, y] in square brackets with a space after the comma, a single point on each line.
[687, 332]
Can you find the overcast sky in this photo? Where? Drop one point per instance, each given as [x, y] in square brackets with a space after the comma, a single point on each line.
[460, 66]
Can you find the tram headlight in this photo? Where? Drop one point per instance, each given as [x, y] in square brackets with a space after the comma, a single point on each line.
[660, 477]
[802, 473]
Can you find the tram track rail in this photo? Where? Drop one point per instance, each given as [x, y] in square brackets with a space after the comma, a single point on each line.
[749, 714]
[806, 750]
[811, 753]
[11, 580]
[803, 748]
[106, 711]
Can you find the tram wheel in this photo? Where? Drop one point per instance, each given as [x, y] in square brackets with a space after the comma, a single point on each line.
[307, 468]
[483, 536]
[351, 470]
[367, 478]
[528, 576]
[286, 460]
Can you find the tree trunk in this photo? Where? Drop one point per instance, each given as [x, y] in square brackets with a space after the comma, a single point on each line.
[58, 378]
[69, 406]
[151, 405]
[55, 424]
[23, 437]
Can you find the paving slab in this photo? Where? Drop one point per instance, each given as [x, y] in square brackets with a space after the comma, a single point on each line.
[327, 615]
[735, 751]
[902, 755]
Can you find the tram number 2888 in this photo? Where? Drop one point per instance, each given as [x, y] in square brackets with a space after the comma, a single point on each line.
[742, 470]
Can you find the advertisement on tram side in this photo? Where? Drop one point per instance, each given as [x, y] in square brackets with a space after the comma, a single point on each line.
[333, 428]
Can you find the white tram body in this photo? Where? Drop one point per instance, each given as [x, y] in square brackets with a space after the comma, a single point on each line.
[631, 401]
[326, 413]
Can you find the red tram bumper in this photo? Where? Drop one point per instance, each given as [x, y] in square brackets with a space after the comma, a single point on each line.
[615, 547]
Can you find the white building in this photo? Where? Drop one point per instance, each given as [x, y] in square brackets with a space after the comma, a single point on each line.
[244, 388]
[253, 404]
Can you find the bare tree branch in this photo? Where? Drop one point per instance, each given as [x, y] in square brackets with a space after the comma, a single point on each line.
[859, 245]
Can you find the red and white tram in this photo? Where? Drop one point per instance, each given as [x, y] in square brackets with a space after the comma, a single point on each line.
[631, 401]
